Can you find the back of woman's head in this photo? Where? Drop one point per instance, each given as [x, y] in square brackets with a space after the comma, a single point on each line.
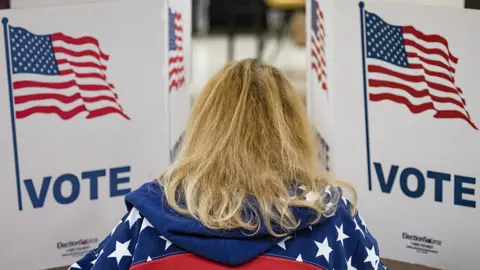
[248, 148]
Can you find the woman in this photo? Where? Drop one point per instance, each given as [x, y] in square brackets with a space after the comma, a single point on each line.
[244, 193]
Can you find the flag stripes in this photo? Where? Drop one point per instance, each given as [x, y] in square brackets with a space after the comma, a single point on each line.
[412, 68]
[176, 68]
[319, 65]
[60, 74]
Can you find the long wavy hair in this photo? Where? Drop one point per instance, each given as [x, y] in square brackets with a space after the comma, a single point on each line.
[249, 139]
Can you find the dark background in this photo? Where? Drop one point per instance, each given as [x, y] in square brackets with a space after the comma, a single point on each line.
[220, 12]
[472, 4]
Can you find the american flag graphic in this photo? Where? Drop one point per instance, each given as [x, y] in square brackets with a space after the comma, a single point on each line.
[60, 74]
[319, 64]
[176, 74]
[412, 68]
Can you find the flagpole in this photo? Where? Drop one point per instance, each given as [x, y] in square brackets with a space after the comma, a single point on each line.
[365, 92]
[12, 112]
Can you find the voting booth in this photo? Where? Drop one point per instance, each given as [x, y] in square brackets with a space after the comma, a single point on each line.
[92, 109]
[393, 93]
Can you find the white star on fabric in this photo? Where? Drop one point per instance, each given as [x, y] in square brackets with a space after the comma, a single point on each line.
[363, 222]
[75, 266]
[121, 250]
[133, 217]
[95, 261]
[372, 257]
[167, 242]
[311, 228]
[145, 224]
[282, 243]
[357, 228]
[324, 249]
[349, 264]
[149, 259]
[341, 235]
[115, 227]
[299, 258]
[345, 201]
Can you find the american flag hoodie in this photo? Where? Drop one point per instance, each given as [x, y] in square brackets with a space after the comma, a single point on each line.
[152, 236]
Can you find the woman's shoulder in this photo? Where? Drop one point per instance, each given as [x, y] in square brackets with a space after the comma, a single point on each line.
[344, 236]
[150, 190]
[346, 218]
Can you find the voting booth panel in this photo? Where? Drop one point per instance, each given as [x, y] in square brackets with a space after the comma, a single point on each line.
[86, 120]
[318, 83]
[402, 124]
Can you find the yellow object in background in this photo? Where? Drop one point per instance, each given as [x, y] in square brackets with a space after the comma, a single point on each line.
[297, 28]
[285, 4]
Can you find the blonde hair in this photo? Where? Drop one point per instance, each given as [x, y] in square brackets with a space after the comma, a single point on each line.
[248, 147]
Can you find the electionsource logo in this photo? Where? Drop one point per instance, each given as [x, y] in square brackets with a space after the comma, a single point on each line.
[76, 248]
[422, 244]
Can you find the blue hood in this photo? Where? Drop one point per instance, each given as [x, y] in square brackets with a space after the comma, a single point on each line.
[190, 235]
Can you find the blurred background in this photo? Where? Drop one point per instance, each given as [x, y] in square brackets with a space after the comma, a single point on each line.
[236, 29]
[271, 29]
